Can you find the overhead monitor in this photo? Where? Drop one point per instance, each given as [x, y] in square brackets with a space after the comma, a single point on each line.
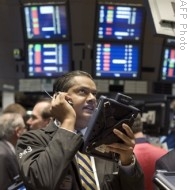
[117, 21]
[116, 60]
[45, 60]
[46, 21]
[156, 118]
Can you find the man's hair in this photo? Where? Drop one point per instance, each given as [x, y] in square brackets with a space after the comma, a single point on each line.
[8, 123]
[15, 108]
[64, 82]
[137, 125]
[46, 114]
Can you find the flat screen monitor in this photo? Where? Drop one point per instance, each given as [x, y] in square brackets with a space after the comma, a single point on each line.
[46, 21]
[116, 60]
[156, 118]
[167, 66]
[47, 59]
[119, 22]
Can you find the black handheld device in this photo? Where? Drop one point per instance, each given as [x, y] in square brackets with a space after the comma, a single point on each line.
[18, 184]
[109, 114]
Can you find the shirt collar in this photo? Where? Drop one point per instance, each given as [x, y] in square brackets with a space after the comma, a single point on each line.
[11, 146]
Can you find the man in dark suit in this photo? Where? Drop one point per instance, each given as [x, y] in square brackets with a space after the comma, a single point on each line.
[11, 127]
[47, 156]
[166, 162]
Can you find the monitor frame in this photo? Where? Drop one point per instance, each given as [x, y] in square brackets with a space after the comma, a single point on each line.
[56, 37]
[168, 45]
[49, 44]
[114, 73]
[120, 38]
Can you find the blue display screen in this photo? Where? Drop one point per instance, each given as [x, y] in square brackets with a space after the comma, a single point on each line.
[46, 21]
[117, 60]
[48, 59]
[22, 187]
[119, 22]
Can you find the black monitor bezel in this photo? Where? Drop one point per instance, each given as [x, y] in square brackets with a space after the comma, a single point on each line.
[138, 77]
[27, 75]
[106, 3]
[168, 43]
[59, 3]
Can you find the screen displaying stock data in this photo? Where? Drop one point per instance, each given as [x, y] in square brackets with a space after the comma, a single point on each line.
[46, 21]
[48, 59]
[119, 22]
[168, 64]
[117, 60]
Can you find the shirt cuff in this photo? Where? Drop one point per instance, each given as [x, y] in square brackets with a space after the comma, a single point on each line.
[131, 164]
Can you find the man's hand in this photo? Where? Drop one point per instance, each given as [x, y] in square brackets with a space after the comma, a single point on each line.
[62, 110]
[125, 149]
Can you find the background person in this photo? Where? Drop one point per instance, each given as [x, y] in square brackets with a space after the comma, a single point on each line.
[166, 162]
[17, 108]
[11, 128]
[146, 153]
[40, 116]
[47, 156]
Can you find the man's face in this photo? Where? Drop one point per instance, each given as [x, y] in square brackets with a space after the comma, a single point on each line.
[83, 95]
[36, 121]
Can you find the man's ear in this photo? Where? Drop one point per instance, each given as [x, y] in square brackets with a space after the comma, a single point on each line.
[19, 131]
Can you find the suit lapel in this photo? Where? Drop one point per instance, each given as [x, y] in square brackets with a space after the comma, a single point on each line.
[12, 159]
[101, 167]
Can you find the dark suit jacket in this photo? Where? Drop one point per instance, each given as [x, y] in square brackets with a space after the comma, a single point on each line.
[8, 166]
[167, 161]
[47, 161]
